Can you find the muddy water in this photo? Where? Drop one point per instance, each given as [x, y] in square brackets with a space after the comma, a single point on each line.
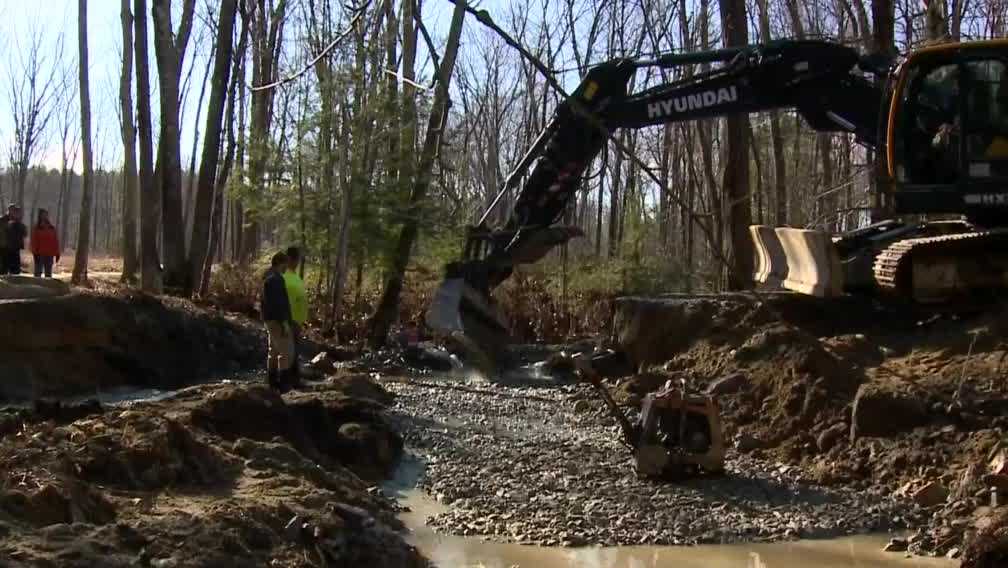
[471, 552]
[449, 551]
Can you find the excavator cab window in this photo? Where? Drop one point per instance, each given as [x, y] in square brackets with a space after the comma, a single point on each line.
[986, 131]
[929, 124]
[952, 123]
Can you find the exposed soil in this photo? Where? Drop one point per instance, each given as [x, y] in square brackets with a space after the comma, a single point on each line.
[889, 400]
[216, 475]
[85, 343]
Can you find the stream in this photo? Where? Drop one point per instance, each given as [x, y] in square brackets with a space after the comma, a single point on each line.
[449, 551]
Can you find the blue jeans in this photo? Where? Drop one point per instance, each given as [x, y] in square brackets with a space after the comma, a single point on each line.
[43, 264]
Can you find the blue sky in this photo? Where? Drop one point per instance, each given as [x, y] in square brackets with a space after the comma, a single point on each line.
[55, 21]
[20, 21]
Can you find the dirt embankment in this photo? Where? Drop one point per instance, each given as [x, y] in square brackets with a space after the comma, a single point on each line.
[217, 475]
[84, 343]
[908, 402]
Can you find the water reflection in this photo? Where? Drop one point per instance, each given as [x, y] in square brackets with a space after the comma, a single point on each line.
[474, 552]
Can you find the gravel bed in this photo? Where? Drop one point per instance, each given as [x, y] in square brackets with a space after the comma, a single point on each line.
[520, 464]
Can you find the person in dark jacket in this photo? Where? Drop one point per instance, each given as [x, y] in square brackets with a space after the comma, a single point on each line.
[276, 314]
[13, 240]
[44, 245]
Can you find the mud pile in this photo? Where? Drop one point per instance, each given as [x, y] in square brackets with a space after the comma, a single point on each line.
[906, 402]
[221, 475]
[87, 343]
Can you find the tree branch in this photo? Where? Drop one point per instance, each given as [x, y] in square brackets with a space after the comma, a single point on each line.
[359, 13]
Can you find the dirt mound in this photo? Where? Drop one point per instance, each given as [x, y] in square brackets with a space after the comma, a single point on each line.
[217, 475]
[853, 391]
[988, 548]
[787, 381]
[27, 288]
[87, 343]
[314, 427]
[65, 501]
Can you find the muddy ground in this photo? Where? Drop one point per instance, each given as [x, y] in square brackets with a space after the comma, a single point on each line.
[216, 475]
[87, 342]
[845, 416]
[536, 466]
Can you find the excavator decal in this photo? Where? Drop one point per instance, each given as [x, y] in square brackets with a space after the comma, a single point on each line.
[693, 102]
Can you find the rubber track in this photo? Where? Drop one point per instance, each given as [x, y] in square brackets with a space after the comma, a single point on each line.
[893, 266]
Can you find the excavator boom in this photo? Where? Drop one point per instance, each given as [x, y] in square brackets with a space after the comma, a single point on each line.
[820, 80]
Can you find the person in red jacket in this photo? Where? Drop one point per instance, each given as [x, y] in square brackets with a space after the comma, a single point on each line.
[44, 245]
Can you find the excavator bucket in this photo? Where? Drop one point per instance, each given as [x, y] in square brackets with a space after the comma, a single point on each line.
[813, 265]
[466, 321]
[800, 260]
[771, 265]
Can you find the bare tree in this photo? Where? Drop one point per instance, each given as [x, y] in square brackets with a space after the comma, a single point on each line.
[211, 142]
[70, 137]
[388, 306]
[267, 28]
[130, 259]
[169, 50]
[736, 172]
[150, 201]
[224, 171]
[84, 230]
[35, 89]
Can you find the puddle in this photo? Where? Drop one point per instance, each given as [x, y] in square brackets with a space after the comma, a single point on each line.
[449, 551]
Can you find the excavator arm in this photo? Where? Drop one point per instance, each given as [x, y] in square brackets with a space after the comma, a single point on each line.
[818, 79]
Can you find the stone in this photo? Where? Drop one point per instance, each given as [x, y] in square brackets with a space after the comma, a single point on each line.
[582, 406]
[931, 494]
[896, 545]
[999, 463]
[728, 384]
[747, 443]
[323, 363]
[998, 481]
[881, 410]
[829, 437]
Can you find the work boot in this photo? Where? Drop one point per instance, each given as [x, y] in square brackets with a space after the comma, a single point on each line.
[273, 378]
[291, 379]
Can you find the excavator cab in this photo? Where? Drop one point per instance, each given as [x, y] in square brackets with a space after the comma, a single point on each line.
[942, 147]
[947, 133]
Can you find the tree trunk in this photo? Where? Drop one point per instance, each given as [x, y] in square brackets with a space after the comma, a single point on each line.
[84, 231]
[776, 138]
[130, 260]
[211, 141]
[169, 50]
[388, 306]
[883, 31]
[150, 199]
[736, 173]
[265, 35]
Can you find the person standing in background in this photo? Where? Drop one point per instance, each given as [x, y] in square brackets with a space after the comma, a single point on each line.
[276, 315]
[298, 299]
[14, 236]
[44, 245]
[4, 220]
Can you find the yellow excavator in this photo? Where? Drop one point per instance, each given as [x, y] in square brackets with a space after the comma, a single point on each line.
[942, 151]
[937, 121]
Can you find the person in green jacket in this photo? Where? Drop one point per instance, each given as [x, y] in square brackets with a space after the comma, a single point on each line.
[298, 306]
